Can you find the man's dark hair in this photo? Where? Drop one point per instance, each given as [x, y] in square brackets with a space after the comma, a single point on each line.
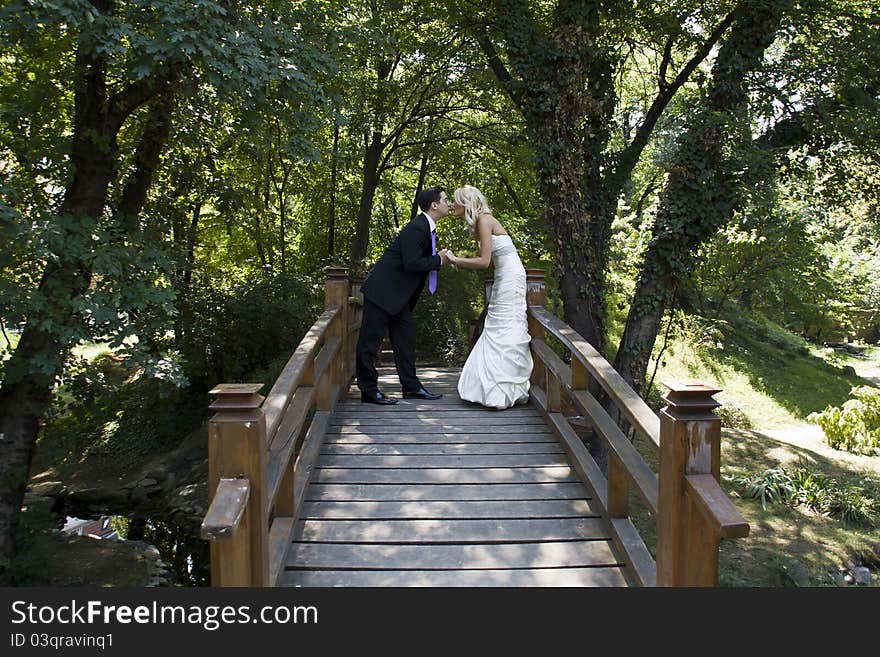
[427, 197]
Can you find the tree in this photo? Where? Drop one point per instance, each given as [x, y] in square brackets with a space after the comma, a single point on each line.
[558, 63]
[718, 166]
[114, 60]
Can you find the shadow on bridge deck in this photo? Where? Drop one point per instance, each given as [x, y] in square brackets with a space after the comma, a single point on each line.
[446, 493]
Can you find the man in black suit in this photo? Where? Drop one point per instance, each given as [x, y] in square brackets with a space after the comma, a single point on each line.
[390, 293]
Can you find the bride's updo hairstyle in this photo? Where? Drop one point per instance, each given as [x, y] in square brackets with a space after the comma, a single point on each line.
[474, 204]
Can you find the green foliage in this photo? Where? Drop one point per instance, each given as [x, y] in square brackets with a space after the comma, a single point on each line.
[773, 485]
[442, 320]
[854, 426]
[123, 414]
[30, 565]
[236, 329]
[812, 490]
[852, 504]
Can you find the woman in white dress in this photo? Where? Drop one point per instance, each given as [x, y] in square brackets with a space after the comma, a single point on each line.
[498, 368]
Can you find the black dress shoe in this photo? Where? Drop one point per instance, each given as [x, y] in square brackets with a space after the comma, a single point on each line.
[421, 393]
[377, 398]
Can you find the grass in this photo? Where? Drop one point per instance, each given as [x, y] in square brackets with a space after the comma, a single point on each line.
[775, 378]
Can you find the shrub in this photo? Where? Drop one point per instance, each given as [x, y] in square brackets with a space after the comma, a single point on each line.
[813, 490]
[229, 332]
[855, 426]
[774, 485]
[732, 416]
[851, 504]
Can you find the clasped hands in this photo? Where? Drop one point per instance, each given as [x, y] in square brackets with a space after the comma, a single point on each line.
[446, 256]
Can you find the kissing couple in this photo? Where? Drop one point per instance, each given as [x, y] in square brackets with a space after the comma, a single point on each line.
[498, 368]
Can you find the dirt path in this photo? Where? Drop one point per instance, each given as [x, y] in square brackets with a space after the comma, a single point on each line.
[810, 437]
[871, 372]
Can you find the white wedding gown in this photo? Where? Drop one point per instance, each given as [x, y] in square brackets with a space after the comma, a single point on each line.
[497, 371]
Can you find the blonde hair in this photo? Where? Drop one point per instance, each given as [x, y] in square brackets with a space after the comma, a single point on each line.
[475, 204]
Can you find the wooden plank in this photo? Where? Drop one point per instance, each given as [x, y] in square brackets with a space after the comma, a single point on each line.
[526, 577]
[282, 446]
[641, 564]
[714, 505]
[451, 531]
[377, 430]
[441, 492]
[353, 404]
[443, 461]
[439, 421]
[279, 544]
[445, 476]
[551, 554]
[644, 479]
[413, 449]
[410, 414]
[583, 462]
[325, 356]
[227, 509]
[438, 438]
[306, 460]
[389, 510]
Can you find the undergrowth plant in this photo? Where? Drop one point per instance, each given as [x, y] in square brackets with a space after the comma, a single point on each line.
[812, 490]
[854, 426]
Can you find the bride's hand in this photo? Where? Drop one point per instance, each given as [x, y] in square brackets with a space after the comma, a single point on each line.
[450, 256]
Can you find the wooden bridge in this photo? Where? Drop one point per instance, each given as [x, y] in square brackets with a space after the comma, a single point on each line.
[312, 488]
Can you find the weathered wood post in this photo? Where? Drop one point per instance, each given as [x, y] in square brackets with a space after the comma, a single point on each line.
[237, 449]
[690, 444]
[536, 295]
[335, 296]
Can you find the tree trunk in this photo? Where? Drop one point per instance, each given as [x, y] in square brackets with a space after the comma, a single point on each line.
[153, 139]
[39, 357]
[701, 190]
[372, 156]
[38, 360]
[331, 211]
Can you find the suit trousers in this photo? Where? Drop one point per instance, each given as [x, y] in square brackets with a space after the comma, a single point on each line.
[401, 330]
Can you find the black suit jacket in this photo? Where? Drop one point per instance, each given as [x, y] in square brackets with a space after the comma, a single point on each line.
[398, 277]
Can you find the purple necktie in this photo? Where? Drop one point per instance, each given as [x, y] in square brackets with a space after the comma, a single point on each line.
[432, 275]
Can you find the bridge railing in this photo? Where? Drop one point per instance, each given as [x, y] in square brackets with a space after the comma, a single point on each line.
[691, 511]
[261, 451]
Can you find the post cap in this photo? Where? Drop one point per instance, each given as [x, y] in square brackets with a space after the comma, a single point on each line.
[336, 273]
[691, 398]
[236, 397]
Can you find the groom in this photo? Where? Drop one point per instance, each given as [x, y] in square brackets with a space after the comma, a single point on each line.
[390, 293]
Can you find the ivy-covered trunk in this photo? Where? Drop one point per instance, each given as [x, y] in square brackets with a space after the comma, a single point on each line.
[703, 183]
[561, 80]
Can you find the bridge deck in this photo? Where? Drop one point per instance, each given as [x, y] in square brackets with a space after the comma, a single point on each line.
[446, 493]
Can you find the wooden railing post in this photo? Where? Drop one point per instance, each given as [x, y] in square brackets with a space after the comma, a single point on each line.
[536, 295]
[237, 449]
[690, 444]
[335, 296]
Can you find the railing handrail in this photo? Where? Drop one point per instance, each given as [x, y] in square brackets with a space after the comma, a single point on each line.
[634, 408]
[262, 451]
[685, 498]
[285, 386]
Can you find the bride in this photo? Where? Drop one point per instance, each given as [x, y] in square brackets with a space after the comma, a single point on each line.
[498, 368]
